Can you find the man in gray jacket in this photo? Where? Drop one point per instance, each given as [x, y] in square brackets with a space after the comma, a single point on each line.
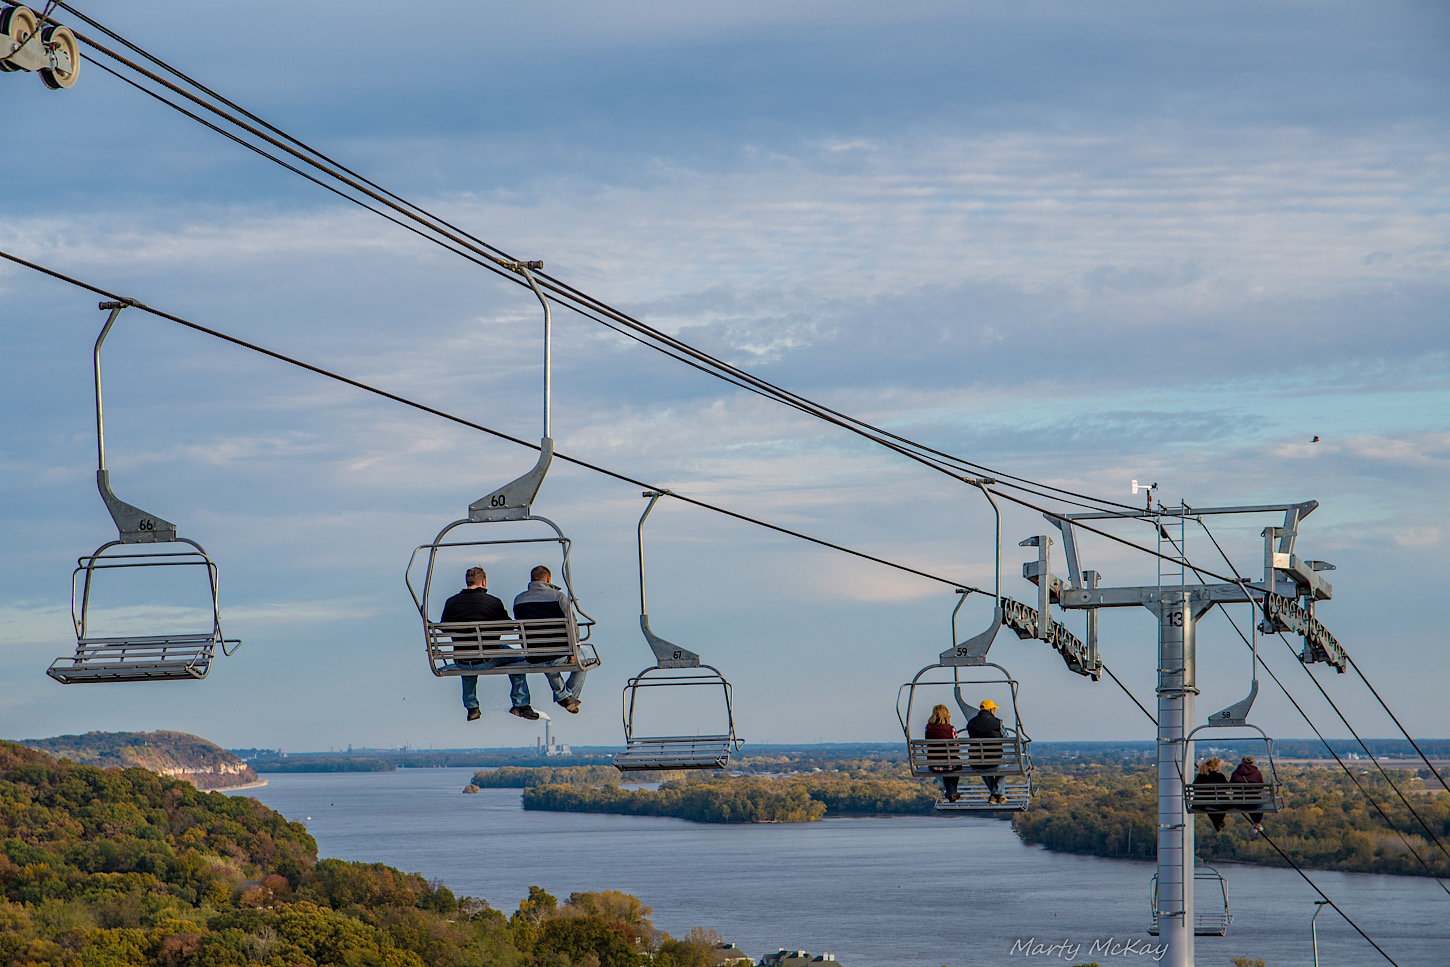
[545, 600]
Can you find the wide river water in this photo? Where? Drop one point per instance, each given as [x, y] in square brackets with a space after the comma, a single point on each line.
[875, 892]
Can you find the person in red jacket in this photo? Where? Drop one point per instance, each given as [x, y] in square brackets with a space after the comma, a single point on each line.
[1248, 772]
[939, 726]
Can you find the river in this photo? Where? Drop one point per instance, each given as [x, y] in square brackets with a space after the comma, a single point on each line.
[876, 892]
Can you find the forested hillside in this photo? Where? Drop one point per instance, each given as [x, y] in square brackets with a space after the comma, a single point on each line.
[180, 755]
[121, 867]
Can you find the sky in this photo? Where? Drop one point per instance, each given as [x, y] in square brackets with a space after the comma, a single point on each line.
[1080, 243]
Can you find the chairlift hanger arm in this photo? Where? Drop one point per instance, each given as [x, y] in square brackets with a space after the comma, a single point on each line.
[974, 650]
[133, 525]
[654, 496]
[514, 500]
[667, 653]
[526, 270]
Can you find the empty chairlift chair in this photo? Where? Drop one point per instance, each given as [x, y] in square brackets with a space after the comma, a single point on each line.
[103, 657]
[1211, 915]
[676, 669]
[509, 646]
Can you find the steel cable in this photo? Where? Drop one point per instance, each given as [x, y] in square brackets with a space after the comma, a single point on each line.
[512, 439]
[1325, 896]
[366, 387]
[573, 298]
[1347, 771]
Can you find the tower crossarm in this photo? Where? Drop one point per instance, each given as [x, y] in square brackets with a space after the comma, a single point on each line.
[1138, 597]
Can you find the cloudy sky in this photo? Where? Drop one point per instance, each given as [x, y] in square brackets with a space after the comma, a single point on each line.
[1079, 243]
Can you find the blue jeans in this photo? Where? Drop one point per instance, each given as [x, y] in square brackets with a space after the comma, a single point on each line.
[994, 785]
[562, 689]
[518, 684]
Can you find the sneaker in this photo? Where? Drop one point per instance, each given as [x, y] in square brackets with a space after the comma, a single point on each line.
[954, 797]
[524, 712]
[1258, 827]
[473, 714]
[570, 704]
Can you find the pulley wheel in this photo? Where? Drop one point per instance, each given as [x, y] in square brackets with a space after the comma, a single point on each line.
[63, 39]
[17, 23]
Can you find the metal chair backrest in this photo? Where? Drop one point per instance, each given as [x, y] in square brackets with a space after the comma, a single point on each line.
[647, 751]
[1237, 797]
[561, 643]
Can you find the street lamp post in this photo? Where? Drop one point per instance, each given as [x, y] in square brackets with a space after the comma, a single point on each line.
[1314, 930]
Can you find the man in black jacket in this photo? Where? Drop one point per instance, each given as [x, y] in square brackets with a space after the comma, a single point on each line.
[474, 603]
[986, 725]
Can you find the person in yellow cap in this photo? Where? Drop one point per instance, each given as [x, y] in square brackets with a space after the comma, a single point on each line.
[987, 756]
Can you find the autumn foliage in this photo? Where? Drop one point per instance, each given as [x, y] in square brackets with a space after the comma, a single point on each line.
[102, 868]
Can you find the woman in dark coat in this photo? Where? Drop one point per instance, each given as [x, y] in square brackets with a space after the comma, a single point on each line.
[1208, 774]
[1248, 772]
[939, 726]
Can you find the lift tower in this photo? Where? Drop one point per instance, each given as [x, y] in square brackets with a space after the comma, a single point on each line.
[1177, 605]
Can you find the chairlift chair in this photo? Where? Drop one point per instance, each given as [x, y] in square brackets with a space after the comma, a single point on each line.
[552, 644]
[1211, 915]
[133, 658]
[674, 668]
[965, 665]
[1009, 757]
[1237, 797]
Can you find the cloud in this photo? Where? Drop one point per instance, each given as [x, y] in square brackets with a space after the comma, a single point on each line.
[1425, 537]
[1079, 244]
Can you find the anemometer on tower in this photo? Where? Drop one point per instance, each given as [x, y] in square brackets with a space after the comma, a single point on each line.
[26, 46]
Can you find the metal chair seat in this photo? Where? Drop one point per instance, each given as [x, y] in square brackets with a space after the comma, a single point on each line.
[1233, 797]
[675, 752]
[540, 643]
[932, 758]
[1212, 924]
[973, 797]
[140, 658]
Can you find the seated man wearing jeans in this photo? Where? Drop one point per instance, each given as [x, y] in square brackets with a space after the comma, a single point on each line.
[473, 604]
[545, 600]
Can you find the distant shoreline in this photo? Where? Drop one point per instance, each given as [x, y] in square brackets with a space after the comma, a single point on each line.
[248, 785]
